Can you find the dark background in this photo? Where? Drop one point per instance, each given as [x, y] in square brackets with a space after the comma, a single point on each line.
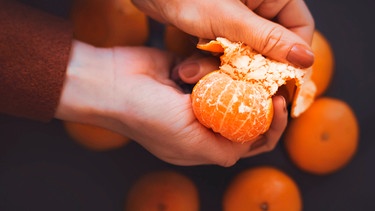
[41, 168]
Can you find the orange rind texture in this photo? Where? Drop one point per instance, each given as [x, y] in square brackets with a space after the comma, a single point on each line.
[236, 100]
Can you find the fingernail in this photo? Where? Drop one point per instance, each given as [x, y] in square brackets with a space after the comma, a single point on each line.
[301, 56]
[189, 70]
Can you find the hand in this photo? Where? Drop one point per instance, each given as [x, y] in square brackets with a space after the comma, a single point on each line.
[129, 90]
[286, 40]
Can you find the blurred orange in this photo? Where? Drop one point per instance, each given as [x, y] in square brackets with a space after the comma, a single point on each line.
[324, 138]
[95, 138]
[323, 67]
[260, 189]
[179, 42]
[107, 23]
[162, 191]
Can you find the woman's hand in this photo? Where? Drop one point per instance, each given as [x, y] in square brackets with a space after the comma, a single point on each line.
[280, 29]
[129, 90]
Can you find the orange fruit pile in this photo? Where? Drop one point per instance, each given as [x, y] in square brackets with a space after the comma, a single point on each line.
[324, 138]
[236, 100]
[163, 190]
[262, 188]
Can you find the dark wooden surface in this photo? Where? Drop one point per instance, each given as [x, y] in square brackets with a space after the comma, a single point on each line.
[41, 168]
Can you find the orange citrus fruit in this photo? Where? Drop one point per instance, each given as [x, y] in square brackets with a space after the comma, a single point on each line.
[109, 23]
[324, 138]
[95, 138]
[323, 67]
[162, 191]
[236, 100]
[262, 188]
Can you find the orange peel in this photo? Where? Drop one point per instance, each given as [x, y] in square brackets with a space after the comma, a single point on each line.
[236, 99]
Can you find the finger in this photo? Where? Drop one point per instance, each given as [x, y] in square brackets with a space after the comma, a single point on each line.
[193, 69]
[292, 14]
[211, 148]
[227, 152]
[267, 37]
[269, 140]
[295, 16]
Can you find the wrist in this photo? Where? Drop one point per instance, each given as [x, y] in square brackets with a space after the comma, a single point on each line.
[83, 98]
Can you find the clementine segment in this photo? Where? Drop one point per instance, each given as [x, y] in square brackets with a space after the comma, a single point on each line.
[262, 188]
[95, 138]
[163, 191]
[323, 66]
[324, 138]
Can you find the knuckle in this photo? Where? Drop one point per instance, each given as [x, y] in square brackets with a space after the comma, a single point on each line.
[273, 37]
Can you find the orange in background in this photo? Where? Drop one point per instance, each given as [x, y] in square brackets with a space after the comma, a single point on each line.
[107, 23]
[95, 138]
[162, 191]
[262, 188]
[324, 138]
[179, 42]
[323, 67]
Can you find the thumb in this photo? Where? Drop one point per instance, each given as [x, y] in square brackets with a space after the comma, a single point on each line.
[267, 37]
[279, 43]
[194, 68]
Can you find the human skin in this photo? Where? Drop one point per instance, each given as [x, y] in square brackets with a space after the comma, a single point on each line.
[280, 29]
[141, 101]
[133, 90]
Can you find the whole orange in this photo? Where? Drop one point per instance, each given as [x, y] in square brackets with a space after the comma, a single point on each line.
[108, 23]
[236, 109]
[162, 191]
[95, 138]
[323, 66]
[261, 189]
[324, 138]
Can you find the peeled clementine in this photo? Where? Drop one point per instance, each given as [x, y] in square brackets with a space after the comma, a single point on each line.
[162, 191]
[108, 23]
[236, 100]
[262, 189]
[95, 138]
[324, 138]
[323, 66]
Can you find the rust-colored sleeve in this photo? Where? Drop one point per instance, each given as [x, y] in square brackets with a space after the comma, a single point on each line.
[34, 53]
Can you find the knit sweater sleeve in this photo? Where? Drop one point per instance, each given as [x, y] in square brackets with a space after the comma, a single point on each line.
[34, 53]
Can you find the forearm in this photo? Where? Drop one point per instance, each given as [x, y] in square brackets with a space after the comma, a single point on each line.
[34, 51]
